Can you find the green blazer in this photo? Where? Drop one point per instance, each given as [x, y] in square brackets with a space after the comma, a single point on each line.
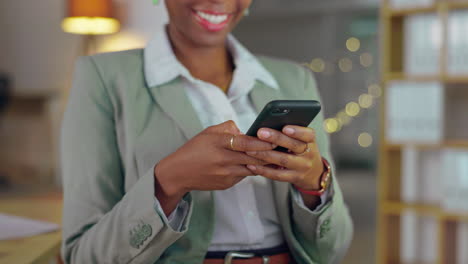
[116, 129]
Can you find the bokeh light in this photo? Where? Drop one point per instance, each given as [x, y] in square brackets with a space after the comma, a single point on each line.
[365, 140]
[366, 100]
[375, 90]
[345, 64]
[353, 109]
[317, 65]
[353, 44]
[331, 125]
[366, 59]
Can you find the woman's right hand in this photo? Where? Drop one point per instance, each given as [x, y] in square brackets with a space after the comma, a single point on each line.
[207, 162]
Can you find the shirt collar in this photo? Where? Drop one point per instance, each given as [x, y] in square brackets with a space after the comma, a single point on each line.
[161, 65]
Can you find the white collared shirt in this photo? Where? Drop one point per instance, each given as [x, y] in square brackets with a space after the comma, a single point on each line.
[245, 215]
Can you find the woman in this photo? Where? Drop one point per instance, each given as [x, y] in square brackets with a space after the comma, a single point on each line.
[157, 170]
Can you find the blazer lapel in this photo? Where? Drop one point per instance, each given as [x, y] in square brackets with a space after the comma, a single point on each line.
[262, 94]
[173, 100]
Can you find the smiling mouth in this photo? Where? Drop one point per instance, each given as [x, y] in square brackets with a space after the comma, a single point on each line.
[212, 21]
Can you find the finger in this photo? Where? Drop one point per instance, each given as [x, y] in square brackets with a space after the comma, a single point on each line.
[228, 127]
[244, 143]
[240, 171]
[280, 139]
[240, 158]
[282, 159]
[304, 134]
[273, 174]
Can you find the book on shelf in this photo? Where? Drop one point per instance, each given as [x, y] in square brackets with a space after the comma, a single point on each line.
[421, 176]
[457, 46]
[418, 238]
[414, 112]
[422, 43]
[436, 177]
[401, 4]
[462, 243]
[455, 167]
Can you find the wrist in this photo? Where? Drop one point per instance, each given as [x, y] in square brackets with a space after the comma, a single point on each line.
[315, 185]
[165, 185]
[324, 181]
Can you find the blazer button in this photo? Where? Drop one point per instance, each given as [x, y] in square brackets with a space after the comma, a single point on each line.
[146, 230]
[325, 227]
[134, 242]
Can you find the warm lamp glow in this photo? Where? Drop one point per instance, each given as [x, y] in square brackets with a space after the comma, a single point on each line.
[90, 17]
[90, 25]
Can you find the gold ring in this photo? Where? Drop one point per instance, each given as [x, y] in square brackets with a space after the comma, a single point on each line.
[305, 151]
[232, 142]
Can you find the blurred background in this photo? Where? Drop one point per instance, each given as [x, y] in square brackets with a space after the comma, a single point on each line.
[391, 75]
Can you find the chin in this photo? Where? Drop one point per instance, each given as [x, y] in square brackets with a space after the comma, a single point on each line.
[209, 40]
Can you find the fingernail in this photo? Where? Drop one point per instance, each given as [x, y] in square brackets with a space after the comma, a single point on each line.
[251, 153]
[251, 167]
[289, 131]
[274, 146]
[264, 134]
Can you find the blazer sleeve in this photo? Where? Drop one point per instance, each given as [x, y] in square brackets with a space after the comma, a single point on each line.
[324, 235]
[101, 222]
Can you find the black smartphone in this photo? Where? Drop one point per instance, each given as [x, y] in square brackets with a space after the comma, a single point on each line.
[280, 113]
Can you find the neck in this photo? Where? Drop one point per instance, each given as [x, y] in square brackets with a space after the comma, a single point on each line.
[195, 57]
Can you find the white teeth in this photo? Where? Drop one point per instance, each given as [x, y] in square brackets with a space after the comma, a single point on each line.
[215, 19]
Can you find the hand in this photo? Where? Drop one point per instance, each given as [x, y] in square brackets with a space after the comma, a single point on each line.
[207, 162]
[302, 166]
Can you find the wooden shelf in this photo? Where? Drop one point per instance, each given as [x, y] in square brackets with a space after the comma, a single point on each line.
[447, 144]
[400, 76]
[455, 79]
[434, 8]
[390, 159]
[396, 12]
[414, 262]
[454, 5]
[396, 208]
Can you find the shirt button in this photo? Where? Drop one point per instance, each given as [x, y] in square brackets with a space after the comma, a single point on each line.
[250, 214]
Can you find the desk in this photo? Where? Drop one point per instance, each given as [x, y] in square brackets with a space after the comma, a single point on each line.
[37, 249]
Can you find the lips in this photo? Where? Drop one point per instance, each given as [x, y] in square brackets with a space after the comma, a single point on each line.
[212, 21]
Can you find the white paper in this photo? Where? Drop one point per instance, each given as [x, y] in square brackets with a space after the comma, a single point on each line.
[13, 227]
[408, 236]
[418, 238]
[423, 39]
[415, 112]
[409, 174]
[455, 164]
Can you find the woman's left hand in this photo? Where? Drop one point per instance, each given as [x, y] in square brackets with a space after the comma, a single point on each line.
[302, 166]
